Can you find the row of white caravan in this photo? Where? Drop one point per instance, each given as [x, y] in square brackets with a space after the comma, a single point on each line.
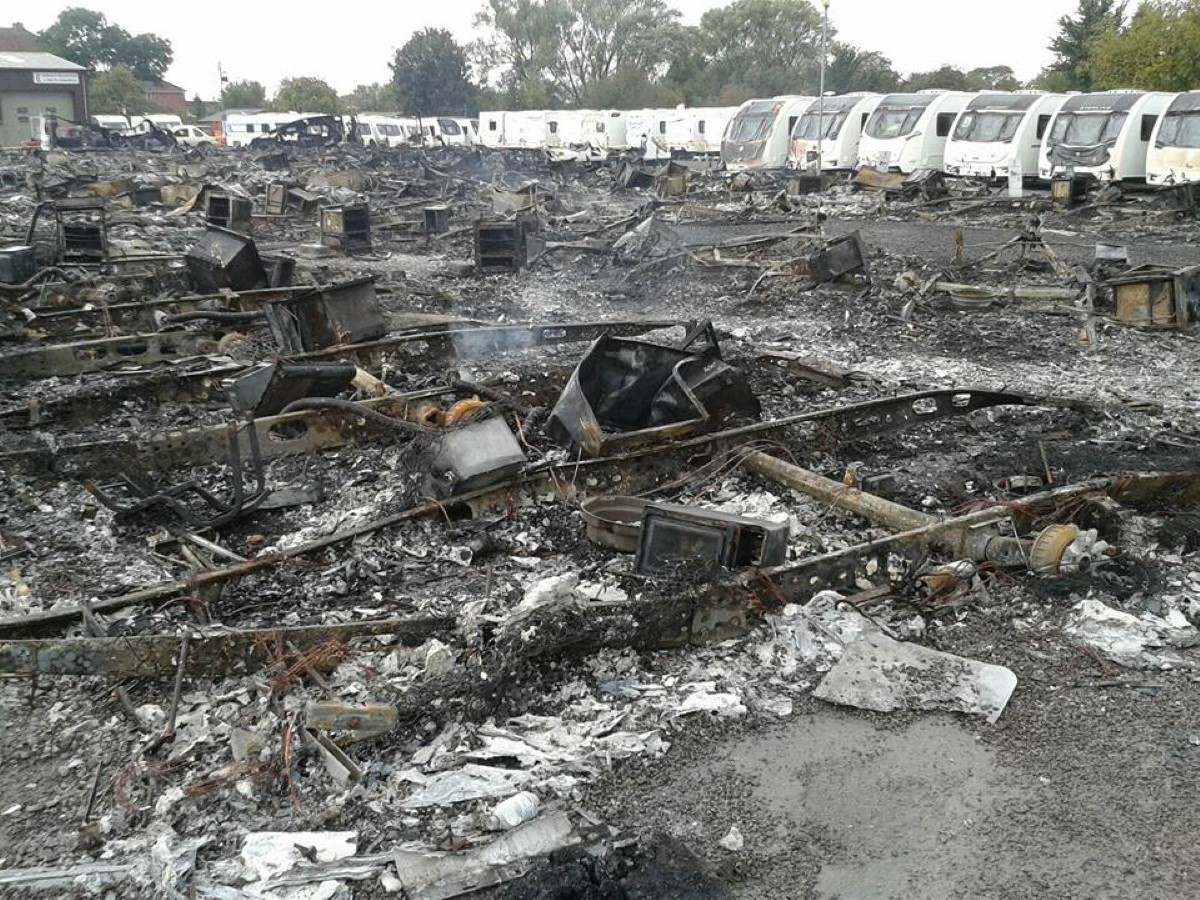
[1110, 136]
[658, 133]
[239, 129]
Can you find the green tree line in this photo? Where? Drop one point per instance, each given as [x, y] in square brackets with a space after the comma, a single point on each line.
[534, 54]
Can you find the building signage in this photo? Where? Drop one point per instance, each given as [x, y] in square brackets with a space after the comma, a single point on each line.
[56, 78]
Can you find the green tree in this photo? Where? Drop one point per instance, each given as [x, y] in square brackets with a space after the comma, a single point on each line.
[518, 50]
[1159, 51]
[86, 37]
[199, 108]
[306, 94]
[854, 69]
[596, 38]
[116, 92]
[430, 74]
[371, 98]
[947, 78]
[243, 95]
[631, 88]
[147, 55]
[1072, 45]
[762, 47]
[993, 78]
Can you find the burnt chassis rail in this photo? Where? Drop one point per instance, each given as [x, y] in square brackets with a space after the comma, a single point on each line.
[96, 355]
[715, 612]
[633, 472]
[309, 432]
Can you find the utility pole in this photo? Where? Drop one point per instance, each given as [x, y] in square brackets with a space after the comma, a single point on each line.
[821, 97]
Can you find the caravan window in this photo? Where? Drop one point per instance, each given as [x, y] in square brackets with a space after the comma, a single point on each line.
[988, 127]
[553, 127]
[754, 122]
[893, 122]
[945, 121]
[1043, 124]
[700, 126]
[1180, 130]
[600, 128]
[1148, 126]
[491, 124]
[662, 126]
[810, 123]
[1087, 128]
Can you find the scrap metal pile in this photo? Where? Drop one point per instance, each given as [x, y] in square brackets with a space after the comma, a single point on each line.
[362, 509]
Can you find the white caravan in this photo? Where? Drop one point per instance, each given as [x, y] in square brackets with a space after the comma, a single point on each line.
[378, 131]
[1000, 133]
[526, 128]
[759, 134]
[1174, 154]
[662, 133]
[565, 128]
[1105, 135]
[449, 131]
[908, 132]
[605, 129]
[843, 118]
[651, 130]
[112, 123]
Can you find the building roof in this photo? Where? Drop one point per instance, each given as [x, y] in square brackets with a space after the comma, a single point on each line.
[159, 87]
[18, 38]
[45, 61]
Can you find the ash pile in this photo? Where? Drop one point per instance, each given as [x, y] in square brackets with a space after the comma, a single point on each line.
[366, 512]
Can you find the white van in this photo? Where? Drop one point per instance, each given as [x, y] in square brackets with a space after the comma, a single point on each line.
[1174, 154]
[1104, 135]
[908, 132]
[759, 134]
[999, 133]
[843, 118]
[605, 129]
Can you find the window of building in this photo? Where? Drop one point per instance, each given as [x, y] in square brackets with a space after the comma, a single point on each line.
[945, 121]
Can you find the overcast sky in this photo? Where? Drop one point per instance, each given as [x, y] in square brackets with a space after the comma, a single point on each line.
[350, 42]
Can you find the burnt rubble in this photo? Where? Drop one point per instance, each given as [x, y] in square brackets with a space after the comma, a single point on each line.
[367, 513]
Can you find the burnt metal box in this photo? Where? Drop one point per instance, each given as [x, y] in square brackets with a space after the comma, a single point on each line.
[1157, 297]
[436, 219]
[346, 227]
[500, 246]
[473, 456]
[343, 313]
[17, 264]
[839, 257]
[1067, 190]
[682, 540]
[82, 230]
[225, 260]
[229, 211]
[267, 389]
[276, 199]
[302, 201]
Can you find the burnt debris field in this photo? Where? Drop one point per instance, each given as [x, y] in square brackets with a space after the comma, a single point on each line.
[443, 523]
